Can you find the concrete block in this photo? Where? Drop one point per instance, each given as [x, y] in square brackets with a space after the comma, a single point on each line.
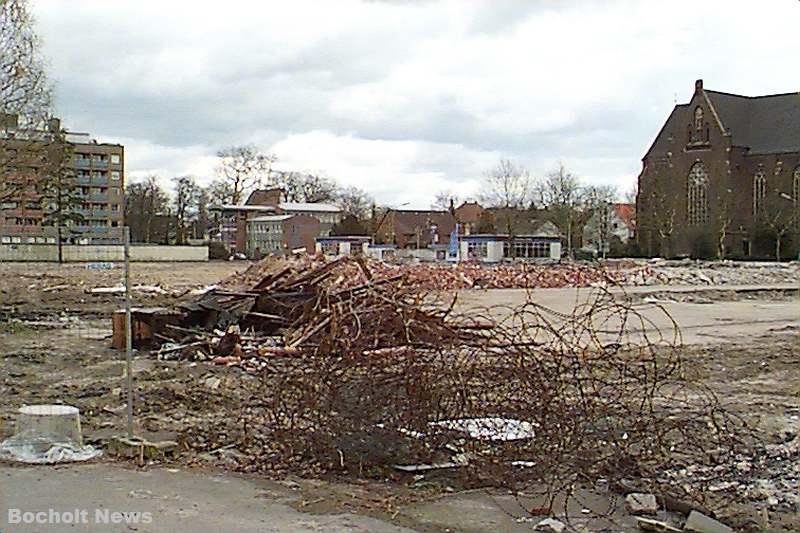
[141, 448]
[703, 524]
[641, 503]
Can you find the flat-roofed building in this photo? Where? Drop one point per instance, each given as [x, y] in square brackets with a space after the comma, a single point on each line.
[280, 234]
[53, 177]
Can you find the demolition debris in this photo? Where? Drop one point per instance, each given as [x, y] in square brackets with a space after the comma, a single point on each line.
[355, 367]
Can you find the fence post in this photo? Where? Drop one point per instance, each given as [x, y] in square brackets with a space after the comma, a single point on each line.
[128, 330]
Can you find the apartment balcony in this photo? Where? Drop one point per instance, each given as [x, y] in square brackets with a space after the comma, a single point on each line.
[90, 229]
[16, 229]
[81, 162]
[100, 164]
[95, 197]
[102, 213]
[83, 180]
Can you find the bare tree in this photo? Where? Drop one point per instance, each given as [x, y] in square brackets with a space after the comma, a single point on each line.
[303, 186]
[354, 201]
[220, 192]
[595, 212]
[629, 196]
[778, 218]
[507, 185]
[25, 101]
[724, 220]
[564, 197]
[186, 196]
[507, 189]
[316, 188]
[144, 202]
[24, 88]
[662, 217]
[243, 169]
[202, 221]
[444, 201]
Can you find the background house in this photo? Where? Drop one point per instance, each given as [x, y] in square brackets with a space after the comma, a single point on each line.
[610, 229]
[414, 229]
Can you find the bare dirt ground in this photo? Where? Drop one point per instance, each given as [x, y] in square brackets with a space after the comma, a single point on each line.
[48, 288]
[746, 348]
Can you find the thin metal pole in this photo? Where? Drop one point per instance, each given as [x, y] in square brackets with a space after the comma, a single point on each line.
[128, 331]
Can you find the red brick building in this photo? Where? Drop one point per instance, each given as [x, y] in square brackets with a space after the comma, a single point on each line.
[722, 177]
[414, 229]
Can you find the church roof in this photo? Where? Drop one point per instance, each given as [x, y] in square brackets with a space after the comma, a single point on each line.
[764, 124]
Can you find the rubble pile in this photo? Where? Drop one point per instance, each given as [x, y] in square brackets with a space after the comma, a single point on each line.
[355, 368]
[283, 307]
[719, 273]
[510, 275]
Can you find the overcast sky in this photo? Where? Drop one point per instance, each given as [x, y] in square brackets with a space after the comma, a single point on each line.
[404, 98]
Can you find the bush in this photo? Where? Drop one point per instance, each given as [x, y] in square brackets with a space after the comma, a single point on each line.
[218, 250]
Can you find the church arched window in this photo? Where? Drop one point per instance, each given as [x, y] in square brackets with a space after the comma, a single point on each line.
[759, 191]
[697, 195]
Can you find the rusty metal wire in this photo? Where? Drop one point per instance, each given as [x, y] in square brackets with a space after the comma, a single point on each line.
[379, 374]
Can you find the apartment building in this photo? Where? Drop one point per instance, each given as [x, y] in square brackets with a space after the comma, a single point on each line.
[51, 177]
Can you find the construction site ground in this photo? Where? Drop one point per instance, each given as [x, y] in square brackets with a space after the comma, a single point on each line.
[744, 340]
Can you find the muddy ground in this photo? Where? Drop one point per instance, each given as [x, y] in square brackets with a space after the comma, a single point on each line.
[63, 356]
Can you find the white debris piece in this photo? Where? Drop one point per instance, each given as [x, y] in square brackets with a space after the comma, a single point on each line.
[550, 524]
[490, 428]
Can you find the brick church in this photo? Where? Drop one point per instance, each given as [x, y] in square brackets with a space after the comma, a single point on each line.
[722, 178]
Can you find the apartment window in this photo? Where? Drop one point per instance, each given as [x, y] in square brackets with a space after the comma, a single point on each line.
[99, 174]
[697, 195]
[115, 175]
[16, 240]
[113, 190]
[31, 205]
[5, 240]
[115, 159]
[51, 240]
[114, 208]
[8, 205]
